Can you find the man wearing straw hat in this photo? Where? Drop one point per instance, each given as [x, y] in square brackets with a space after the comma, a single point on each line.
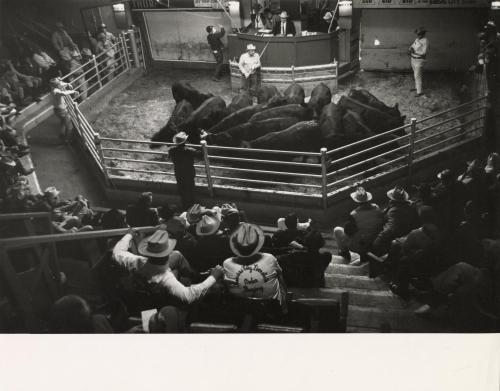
[183, 159]
[249, 65]
[251, 273]
[364, 223]
[159, 263]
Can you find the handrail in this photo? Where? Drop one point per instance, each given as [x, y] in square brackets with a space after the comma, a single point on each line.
[449, 130]
[452, 109]
[275, 151]
[267, 182]
[23, 241]
[266, 172]
[237, 159]
[457, 117]
[22, 216]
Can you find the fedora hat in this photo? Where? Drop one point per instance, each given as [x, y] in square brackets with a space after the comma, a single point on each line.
[328, 16]
[420, 30]
[246, 240]
[51, 191]
[283, 15]
[176, 226]
[361, 195]
[7, 160]
[193, 214]
[208, 225]
[251, 46]
[398, 194]
[492, 163]
[158, 245]
[180, 138]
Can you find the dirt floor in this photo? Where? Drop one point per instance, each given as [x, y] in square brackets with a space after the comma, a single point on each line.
[145, 107]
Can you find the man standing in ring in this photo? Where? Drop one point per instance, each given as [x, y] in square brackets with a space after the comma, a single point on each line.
[418, 52]
[217, 47]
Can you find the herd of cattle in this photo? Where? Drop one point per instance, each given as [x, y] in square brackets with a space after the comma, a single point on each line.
[279, 121]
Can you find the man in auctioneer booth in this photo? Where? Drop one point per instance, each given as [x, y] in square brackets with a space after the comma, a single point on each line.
[284, 26]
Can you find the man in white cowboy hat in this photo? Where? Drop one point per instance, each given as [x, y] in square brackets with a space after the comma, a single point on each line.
[418, 53]
[364, 223]
[251, 273]
[400, 217]
[327, 24]
[213, 246]
[285, 26]
[249, 65]
[159, 263]
[183, 159]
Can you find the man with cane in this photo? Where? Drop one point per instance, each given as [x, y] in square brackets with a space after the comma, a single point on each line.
[250, 69]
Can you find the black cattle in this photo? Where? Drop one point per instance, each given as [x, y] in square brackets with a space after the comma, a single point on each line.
[290, 110]
[250, 131]
[294, 94]
[181, 111]
[304, 136]
[378, 120]
[207, 115]
[363, 96]
[330, 123]
[320, 97]
[184, 90]
[265, 93]
[239, 102]
[237, 118]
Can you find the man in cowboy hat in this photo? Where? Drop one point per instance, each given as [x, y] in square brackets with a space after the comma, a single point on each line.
[214, 41]
[159, 263]
[213, 246]
[365, 221]
[284, 27]
[183, 159]
[250, 273]
[327, 25]
[249, 65]
[400, 217]
[418, 53]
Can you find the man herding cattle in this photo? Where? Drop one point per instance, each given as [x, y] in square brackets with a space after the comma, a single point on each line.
[217, 47]
[418, 52]
[183, 159]
[250, 68]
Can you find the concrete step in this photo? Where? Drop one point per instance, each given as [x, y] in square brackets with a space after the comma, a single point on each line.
[397, 320]
[356, 282]
[345, 269]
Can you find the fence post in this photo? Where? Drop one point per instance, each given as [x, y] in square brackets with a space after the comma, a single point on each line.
[293, 74]
[324, 191]
[97, 142]
[124, 48]
[143, 55]
[411, 146]
[97, 71]
[207, 167]
[336, 70]
[133, 47]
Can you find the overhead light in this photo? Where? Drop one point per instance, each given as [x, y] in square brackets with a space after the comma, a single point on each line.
[495, 5]
[120, 7]
[376, 42]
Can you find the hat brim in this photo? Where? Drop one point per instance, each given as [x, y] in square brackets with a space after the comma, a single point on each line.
[369, 197]
[258, 247]
[142, 248]
[391, 196]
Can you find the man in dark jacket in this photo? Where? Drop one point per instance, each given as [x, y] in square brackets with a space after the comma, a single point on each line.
[141, 214]
[285, 26]
[400, 218]
[183, 159]
[217, 48]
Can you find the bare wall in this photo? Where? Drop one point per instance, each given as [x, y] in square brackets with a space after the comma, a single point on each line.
[452, 35]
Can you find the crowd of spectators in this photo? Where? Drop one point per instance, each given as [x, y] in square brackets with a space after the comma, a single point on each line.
[26, 66]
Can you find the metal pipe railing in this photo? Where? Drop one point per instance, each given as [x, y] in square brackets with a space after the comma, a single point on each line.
[236, 159]
[452, 109]
[448, 120]
[445, 141]
[266, 182]
[449, 130]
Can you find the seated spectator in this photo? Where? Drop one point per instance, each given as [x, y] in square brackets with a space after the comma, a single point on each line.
[109, 36]
[472, 183]
[186, 243]
[291, 235]
[160, 264]
[60, 90]
[141, 214]
[306, 268]
[27, 82]
[417, 254]
[213, 245]
[364, 223]
[400, 217]
[47, 66]
[447, 201]
[72, 314]
[12, 91]
[250, 273]
[8, 139]
[60, 41]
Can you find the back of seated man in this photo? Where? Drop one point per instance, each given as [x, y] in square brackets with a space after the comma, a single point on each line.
[141, 214]
[251, 273]
[212, 246]
[159, 264]
[289, 236]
